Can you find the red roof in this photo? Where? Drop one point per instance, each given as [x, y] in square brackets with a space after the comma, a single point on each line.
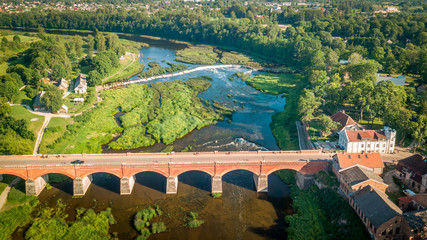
[365, 135]
[406, 199]
[371, 160]
[342, 118]
[416, 164]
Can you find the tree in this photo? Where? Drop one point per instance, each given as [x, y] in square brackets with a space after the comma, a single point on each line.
[100, 41]
[90, 44]
[114, 44]
[52, 99]
[78, 43]
[360, 94]
[355, 58]
[4, 107]
[58, 72]
[419, 132]
[8, 88]
[364, 70]
[327, 124]
[307, 105]
[94, 78]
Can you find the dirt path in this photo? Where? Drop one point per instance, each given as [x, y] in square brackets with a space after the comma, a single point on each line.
[5, 193]
[133, 60]
[40, 135]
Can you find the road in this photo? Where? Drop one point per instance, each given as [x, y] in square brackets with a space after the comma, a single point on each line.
[160, 158]
[304, 141]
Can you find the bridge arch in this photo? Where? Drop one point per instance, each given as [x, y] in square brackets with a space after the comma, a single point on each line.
[197, 178]
[153, 180]
[294, 168]
[42, 172]
[133, 172]
[17, 174]
[249, 169]
[183, 171]
[101, 171]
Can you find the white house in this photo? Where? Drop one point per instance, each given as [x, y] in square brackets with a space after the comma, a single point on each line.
[80, 85]
[356, 141]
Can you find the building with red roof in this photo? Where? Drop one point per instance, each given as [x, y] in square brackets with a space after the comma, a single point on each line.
[343, 161]
[359, 141]
[345, 121]
[413, 172]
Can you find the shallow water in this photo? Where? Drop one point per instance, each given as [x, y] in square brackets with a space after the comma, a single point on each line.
[249, 126]
[241, 212]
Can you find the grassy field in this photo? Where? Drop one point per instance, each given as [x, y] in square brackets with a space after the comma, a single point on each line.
[56, 128]
[133, 69]
[274, 83]
[180, 112]
[89, 100]
[35, 122]
[283, 123]
[200, 54]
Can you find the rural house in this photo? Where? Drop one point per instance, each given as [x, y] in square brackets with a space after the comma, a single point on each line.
[80, 85]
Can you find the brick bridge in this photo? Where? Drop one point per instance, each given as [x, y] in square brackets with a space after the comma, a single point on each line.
[34, 169]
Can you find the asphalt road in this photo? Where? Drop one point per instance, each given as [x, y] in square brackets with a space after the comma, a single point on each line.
[159, 158]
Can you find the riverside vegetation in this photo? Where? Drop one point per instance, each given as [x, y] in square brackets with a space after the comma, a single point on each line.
[160, 113]
[320, 213]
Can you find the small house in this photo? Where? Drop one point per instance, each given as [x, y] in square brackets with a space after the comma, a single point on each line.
[80, 85]
[413, 172]
[37, 105]
[63, 85]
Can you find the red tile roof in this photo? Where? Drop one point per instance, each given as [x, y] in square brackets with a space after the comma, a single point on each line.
[371, 160]
[406, 199]
[369, 135]
[416, 164]
[342, 118]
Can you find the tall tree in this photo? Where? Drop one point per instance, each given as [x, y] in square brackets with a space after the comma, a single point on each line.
[52, 99]
[90, 44]
[100, 41]
[307, 105]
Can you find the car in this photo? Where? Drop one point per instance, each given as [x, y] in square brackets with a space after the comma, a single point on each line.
[77, 162]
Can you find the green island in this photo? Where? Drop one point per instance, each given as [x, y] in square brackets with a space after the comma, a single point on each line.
[160, 113]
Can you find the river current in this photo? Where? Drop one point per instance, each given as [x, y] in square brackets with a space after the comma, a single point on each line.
[240, 213]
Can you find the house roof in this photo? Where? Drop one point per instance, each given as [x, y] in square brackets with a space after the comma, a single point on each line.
[365, 135]
[81, 80]
[421, 199]
[342, 118]
[375, 205]
[416, 219]
[355, 175]
[371, 160]
[62, 83]
[406, 199]
[416, 164]
[37, 100]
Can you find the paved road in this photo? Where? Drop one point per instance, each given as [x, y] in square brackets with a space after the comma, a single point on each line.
[304, 141]
[159, 158]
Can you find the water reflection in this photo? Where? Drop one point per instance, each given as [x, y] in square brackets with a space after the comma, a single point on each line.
[239, 214]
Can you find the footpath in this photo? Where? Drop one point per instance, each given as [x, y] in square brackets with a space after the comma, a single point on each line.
[5, 193]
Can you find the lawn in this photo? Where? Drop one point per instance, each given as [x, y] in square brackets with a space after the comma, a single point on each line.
[274, 83]
[133, 69]
[89, 100]
[56, 129]
[35, 122]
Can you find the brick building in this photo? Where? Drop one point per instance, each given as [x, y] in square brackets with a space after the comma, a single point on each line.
[345, 160]
[358, 177]
[413, 172]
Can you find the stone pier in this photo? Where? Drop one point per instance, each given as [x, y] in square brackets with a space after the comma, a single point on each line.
[216, 184]
[35, 187]
[261, 182]
[126, 185]
[80, 185]
[303, 180]
[171, 185]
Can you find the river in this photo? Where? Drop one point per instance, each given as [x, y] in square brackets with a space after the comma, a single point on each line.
[240, 213]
